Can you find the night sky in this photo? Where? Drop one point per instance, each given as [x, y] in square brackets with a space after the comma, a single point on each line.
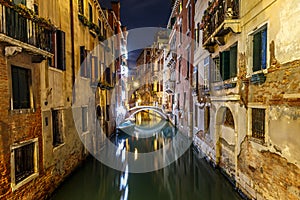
[142, 13]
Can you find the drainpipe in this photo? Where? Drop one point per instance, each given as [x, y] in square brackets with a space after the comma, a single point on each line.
[72, 42]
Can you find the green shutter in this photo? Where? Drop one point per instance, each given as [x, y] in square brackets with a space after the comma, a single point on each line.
[264, 48]
[225, 65]
[233, 61]
[257, 52]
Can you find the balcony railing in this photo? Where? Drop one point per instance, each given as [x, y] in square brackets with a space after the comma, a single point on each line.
[218, 18]
[171, 59]
[170, 86]
[18, 24]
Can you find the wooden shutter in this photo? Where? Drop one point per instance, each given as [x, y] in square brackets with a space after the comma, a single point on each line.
[233, 61]
[225, 64]
[61, 53]
[257, 52]
[264, 48]
[20, 86]
[24, 88]
[82, 63]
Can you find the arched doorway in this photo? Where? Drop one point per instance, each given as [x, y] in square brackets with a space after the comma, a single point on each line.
[226, 141]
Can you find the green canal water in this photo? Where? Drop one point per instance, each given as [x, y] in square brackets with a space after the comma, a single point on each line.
[189, 177]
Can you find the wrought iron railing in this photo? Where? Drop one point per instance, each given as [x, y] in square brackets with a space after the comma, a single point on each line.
[216, 13]
[30, 30]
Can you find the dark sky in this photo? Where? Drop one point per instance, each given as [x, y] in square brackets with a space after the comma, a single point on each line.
[142, 13]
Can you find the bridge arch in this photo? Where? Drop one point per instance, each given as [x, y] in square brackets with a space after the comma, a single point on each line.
[138, 109]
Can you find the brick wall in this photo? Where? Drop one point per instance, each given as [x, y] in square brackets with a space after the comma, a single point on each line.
[266, 175]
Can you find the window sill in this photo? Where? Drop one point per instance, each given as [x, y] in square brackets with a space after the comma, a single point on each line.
[258, 141]
[56, 69]
[23, 111]
[25, 181]
[264, 71]
[58, 147]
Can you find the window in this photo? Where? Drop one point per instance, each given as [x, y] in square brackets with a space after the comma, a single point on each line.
[85, 119]
[196, 116]
[20, 2]
[179, 69]
[178, 100]
[197, 34]
[206, 118]
[188, 62]
[100, 25]
[228, 63]
[80, 6]
[180, 6]
[107, 112]
[189, 18]
[260, 49]
[59, 50]
[195, 78]
[90, 13]
[36, 9]
[108, 75]
[84, 63]
[258, 123]
[184, 101]
[216, 76]
[57, 127]
[24, 163]
[95, 70]
[180, 32]
[206, 73]
[21, 81]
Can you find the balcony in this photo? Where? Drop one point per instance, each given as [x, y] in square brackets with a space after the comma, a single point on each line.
[171, 59]
[220, 18]
[20, 26]
[170, 86]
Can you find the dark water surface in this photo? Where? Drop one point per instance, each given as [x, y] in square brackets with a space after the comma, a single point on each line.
[189, 177]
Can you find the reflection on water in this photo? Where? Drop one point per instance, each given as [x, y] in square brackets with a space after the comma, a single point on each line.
[189, 177]
[146, 132]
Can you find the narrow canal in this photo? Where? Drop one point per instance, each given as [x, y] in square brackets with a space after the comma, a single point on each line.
[188, 177]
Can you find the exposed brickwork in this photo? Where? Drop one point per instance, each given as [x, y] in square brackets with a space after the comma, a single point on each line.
[269, 174]
[280, 80]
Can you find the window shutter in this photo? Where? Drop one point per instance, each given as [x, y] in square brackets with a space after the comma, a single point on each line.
[15, 88]
[60, 46]
[257, 52]
[95, 70]
[264, 49]
[20, 86]
[225, 62]
[90, 13]
[24, 89]
[82, 64]
[107, 75]
[233, 61]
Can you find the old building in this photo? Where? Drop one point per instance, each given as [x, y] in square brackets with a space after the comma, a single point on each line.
[246, 108]
[182, 48]
[48, 47]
